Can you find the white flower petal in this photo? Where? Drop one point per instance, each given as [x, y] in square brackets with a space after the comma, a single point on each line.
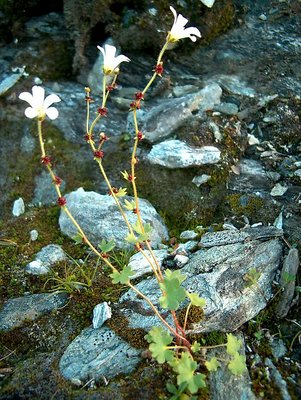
[118, 60]
[52, 98]
[174, 12]
[181, 21]
[52, 113]
[38, 94]
[178, 30]
[192, 33]
[26, 96]
[101, 49]
[31, 112]
[110, 51]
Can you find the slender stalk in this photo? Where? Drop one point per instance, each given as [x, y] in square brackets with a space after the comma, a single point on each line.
[186, 316]
[175, 333]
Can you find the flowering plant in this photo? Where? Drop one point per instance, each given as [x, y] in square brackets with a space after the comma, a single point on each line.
[168, 343]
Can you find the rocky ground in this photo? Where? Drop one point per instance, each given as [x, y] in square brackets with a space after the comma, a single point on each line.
[220, 170]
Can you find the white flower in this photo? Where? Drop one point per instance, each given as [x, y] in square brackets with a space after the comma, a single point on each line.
[110, 62]
[39, 106]
[178, 30]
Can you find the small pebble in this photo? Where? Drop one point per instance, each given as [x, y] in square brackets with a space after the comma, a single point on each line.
[101, 313]
[188, 235]
[181, 260]
[34, 234]
[263, 17]
[278, 190]
[18, 207]
[298, 173]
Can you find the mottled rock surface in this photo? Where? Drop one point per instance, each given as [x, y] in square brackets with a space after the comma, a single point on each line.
[18, 310]
[97, 353]
[100, 218]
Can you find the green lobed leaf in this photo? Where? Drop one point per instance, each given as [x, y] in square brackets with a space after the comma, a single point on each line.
[78, 238]
[196, 300]
[129, 205]
[195, 347]
[137, 228]
[185, 369]
[233, 344]
[159, 339]
[131, 238]
[105, 247]
[174, 294]
[123, 276]
[121, 192]
[238, 364]
[212, 365]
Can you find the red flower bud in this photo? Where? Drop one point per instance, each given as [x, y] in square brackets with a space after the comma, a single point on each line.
[159, 69]
[140, 135]
[46, 160]
[98, 154]
[57, 180]
[103, 111]
[88, 137]
[139, 96]
[61, 201]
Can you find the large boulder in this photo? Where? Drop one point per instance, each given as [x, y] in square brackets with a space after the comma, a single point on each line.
[100, 218]
[222, 275]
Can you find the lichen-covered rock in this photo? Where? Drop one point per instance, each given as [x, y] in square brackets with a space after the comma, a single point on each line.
[176, 154]
[162, 120]
[221, 276]
[17, 311]
[99, 217]
[97, 353]
[45, 258]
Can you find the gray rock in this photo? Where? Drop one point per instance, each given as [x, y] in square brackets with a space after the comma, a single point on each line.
[177, 154]
[288, 282]
[278, 380]
[97, 353]
[18, 310]
[34, 234]
[45, 258]
[8, 82]
[234, 236]
[181, 260]
[188, 235]
[278, 190]
[100, 218]
[44, 192]
[162, 120]
[219, 275]
[251, 167]
[273, 175]
[101, 313]
[298, 173]
[225, 385]
[227, 108]
[235, 85]
[186, 248]
[140, 265]
[200, 179]
[18, 207]
[278, 347]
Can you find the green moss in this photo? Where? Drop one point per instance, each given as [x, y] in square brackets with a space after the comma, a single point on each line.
[196, 314]
[119, 324]
[245, 204]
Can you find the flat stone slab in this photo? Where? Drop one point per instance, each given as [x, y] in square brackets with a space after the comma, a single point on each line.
[177, 154]
[220, 276]
[97, 353]
[18, 310]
